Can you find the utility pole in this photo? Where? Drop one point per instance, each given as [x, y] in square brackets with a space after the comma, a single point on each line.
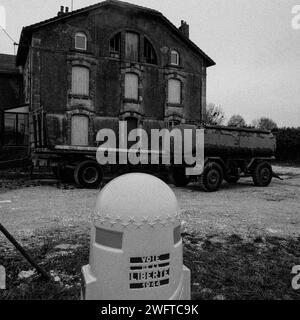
[72, 4]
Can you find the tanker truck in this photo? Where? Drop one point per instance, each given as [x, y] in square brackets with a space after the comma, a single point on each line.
[228, 154]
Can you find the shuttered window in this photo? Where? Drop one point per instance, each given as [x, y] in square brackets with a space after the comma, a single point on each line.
[174, 91]
[80, 131]
[80, 81]
[80, 41]
[132, 46]
[175, 58]
[131, 86]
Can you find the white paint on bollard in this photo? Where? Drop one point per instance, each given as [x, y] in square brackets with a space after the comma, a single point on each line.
[2, 278]
[136, 246]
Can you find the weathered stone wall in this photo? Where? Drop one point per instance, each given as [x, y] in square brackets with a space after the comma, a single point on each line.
[53, 55]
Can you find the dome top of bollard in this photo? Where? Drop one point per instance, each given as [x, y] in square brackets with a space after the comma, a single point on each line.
[137, 197]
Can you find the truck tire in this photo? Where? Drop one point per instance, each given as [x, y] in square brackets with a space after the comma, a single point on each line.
[179, 178]
[262, 174]
[88, 174]
[212, 177]
[231, 179]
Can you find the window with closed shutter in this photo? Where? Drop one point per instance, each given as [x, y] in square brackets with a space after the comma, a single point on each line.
[132, 46]
[175, 58]
[174, 91]
[80, 81]
[80, 131]
[80, 41]
[131, 86]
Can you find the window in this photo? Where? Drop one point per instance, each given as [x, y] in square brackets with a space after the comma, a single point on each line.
[10, 127]
[175, 58]
[131, 86]
[80, 81]
[15, 129]
[80, 131]
[149, 53]
[22, 129]
[132, 46]
[174, 91]
[115, 46]
[80, 41]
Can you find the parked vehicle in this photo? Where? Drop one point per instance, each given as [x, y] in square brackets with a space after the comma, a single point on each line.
[74, 163]
[230, 154]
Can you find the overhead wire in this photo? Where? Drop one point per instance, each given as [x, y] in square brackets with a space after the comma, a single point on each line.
[10, 38]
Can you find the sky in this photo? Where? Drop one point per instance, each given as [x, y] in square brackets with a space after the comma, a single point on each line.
[256, 50]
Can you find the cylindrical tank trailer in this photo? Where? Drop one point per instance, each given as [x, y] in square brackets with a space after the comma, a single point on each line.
[228, 153]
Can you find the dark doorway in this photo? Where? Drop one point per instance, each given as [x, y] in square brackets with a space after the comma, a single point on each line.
[132, 123]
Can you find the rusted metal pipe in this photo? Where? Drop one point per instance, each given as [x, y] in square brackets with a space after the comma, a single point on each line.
[24, 253]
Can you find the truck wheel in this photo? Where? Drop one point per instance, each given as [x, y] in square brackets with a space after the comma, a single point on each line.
[262, 174]
[212, 177]
[88, 174]
[179, 178]
[231, 179]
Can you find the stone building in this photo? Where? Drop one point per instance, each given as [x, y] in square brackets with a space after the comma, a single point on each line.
[90, 68]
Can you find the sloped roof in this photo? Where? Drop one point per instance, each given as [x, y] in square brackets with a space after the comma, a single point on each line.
[27, 31]
[8, 64]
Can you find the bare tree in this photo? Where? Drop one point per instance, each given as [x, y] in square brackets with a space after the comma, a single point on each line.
[237, 121]
[264, 124]
[214, 115]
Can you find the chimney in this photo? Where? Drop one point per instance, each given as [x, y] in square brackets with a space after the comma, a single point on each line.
[184, 29]
[67, 10]
[61, 12]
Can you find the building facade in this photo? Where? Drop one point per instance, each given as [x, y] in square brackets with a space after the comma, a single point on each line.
[89, 69]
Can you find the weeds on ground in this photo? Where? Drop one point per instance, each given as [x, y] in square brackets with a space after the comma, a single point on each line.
[221, 267]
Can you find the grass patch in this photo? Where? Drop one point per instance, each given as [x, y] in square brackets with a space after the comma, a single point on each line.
[259, 269]
[65, 265]
[228, 267]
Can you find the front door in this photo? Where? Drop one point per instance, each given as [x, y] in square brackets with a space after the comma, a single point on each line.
[80, 131]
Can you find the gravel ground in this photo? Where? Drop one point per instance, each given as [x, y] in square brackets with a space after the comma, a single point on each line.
[243, 209]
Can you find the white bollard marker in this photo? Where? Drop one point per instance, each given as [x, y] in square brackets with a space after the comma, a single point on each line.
[136, 245]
